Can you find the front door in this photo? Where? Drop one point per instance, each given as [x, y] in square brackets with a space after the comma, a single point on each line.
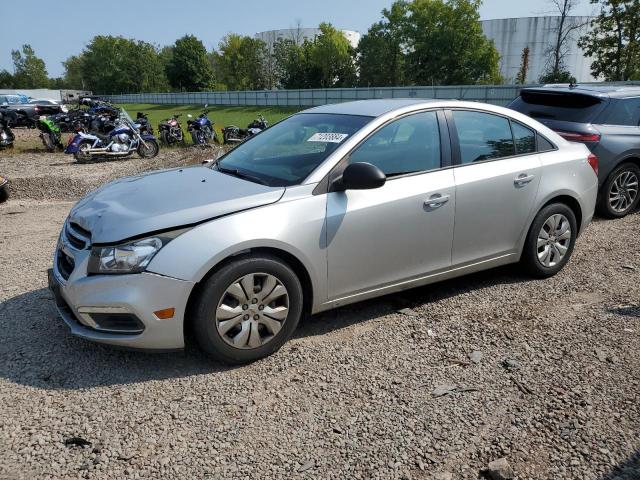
[402, 230]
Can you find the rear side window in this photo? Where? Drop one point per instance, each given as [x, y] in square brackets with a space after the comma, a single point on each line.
[563, 106]
[483, 136]
[525, 138]
[622, 111]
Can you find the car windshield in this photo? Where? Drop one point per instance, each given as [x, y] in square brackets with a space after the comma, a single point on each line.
[289, 151]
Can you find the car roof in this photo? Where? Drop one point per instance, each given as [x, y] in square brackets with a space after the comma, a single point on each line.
[370, 108]
[611, 91]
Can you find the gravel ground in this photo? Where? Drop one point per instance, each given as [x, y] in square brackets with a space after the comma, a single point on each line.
[435, 383]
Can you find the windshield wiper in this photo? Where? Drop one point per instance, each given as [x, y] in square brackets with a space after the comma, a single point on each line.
[237, 173]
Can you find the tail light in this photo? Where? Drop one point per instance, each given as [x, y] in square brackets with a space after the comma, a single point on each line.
[579, 137]
[594, 162]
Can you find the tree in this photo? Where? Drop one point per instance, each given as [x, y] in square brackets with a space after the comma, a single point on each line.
[241, 63]
[331, 59]
[446, 44]
[189, 67]
[6, 79]
[381, 57]
[114, 65]
[290, 61]
[326, 61]
[29, 70]
[561, 34]
[614, 43]
[521, 79]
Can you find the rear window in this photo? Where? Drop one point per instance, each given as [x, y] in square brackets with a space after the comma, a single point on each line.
[568, 107]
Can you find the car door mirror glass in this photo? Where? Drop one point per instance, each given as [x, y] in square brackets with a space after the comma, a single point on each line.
[360, 176]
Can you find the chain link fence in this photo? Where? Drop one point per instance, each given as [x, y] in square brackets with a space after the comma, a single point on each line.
[494, 94]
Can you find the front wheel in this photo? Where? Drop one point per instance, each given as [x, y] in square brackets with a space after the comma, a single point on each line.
[619, 195]
[151, 150]
[4, 193]
[550, 241]
[248, 309]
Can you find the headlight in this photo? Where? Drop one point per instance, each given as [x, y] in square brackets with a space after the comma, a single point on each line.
[132, 257]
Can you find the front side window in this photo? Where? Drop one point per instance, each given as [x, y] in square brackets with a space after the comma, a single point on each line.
[483, 136]
[286, 153]
[408, 145]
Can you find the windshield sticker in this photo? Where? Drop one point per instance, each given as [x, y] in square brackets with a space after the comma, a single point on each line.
[328, 137]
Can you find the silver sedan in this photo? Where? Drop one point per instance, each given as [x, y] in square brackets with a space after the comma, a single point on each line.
[331, 206]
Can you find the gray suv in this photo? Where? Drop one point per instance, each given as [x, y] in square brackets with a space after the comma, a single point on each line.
[331, 206]
[605, 119]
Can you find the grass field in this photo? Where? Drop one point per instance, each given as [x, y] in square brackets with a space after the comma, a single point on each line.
[220, 116]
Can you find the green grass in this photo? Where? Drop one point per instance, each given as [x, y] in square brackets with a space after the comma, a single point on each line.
[219, 115]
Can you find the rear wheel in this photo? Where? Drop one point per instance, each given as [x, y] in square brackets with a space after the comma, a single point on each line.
[248, 309]
[82, 155]
[619, 195]
[4, 193]
[550, 241]
[164, 137]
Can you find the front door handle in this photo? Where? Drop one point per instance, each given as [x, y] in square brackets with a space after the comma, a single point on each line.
[436, 201]
[523, 179]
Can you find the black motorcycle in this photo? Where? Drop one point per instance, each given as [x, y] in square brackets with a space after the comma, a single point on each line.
[233, 134]
[7, 118]
[143, 124]
[171, 130]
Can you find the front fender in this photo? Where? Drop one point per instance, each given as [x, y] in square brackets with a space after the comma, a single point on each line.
[295, 227]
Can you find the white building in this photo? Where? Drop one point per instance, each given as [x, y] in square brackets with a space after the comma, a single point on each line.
[512, 35]
[299, 35]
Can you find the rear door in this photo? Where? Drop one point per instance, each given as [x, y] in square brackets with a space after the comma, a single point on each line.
[497, 174]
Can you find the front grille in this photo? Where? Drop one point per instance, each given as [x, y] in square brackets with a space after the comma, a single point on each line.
[118, 322]
[65, 264]
[78, 237]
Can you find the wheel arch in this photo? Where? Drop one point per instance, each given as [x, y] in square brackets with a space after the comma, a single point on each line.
[288, 258]
[570, 202]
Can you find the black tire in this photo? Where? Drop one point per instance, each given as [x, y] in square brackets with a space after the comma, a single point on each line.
[164, 138]
[211, 294]
[605, 207]
[83, 157]
[151, 150]
[48, 142]
[195, 137]
[529, 259]
[4, 193]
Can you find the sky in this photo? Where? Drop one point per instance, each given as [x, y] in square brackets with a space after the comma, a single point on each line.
[61, 28]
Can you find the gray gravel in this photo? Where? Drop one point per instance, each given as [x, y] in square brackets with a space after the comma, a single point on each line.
[542, 374]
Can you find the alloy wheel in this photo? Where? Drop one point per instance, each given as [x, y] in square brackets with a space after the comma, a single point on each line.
[623, 191]
[554, 240]
[252, 311]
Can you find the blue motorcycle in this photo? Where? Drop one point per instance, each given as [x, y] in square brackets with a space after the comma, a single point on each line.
[122, 141]
[201, 129]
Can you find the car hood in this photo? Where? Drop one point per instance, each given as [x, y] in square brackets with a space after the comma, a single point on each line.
[134, 206]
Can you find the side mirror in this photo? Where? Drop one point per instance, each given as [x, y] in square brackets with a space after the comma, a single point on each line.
[360, 176]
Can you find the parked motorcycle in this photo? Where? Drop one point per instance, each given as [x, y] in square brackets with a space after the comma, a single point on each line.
[49, 133]
[7, 118]
[171, 130]
[143, 124]
[201, 129]
[122, 141]
[233, 134]
[4, 189]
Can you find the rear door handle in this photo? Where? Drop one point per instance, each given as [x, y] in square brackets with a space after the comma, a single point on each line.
[436, 201]
[523, 179]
